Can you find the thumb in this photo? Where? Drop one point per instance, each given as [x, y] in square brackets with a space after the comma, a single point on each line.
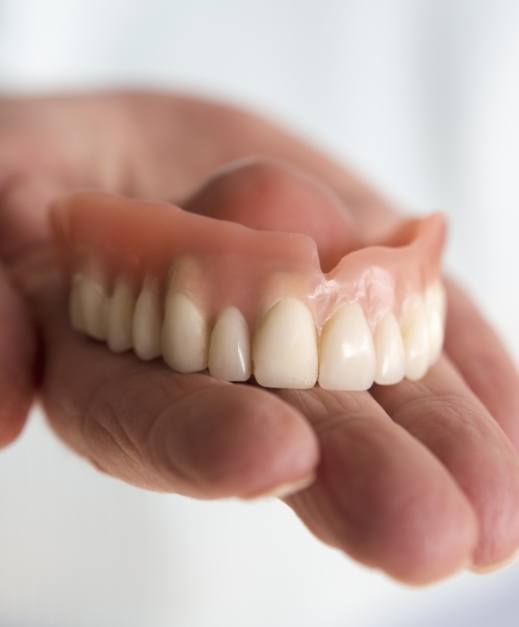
[23, 226]
[24, 201]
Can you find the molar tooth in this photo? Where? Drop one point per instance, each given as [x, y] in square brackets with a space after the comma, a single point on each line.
[415, 333]
[285, 347]
[389, 351]
[229, 348]
[184, 334]
[147, 321]
[347, 354]
[93, 305]
[75, 309]
[435, 302]
[120, 316]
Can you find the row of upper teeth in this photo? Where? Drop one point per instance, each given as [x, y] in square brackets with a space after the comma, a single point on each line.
[286, 350]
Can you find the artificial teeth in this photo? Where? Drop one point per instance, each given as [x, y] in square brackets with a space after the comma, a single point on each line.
[285, 347]
[415, 333]
[184, 334]
[346, 352]
[389, 351]
[93, 303]
[147, 321]
[120, 316]
[435, 303]
[75, 307]
[229, 348]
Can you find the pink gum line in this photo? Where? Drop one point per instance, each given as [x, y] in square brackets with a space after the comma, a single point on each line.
[220, 263]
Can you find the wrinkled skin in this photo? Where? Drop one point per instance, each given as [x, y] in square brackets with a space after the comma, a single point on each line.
[417, 479]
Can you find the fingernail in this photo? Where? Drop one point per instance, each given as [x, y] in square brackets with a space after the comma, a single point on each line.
[490, 568]
[285, 489]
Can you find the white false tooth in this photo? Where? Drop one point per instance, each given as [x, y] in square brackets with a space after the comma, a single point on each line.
[415, 332]
[229, 347]
[389, 351]
[285, 347]
[75, 309]
[120, 316]
[93, 304]
[347, 354]
[435, 302]
[184, 334]
[147, 321]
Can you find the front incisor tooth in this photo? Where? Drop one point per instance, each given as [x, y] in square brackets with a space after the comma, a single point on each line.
[184, 334]
[285, 347]
[389, 351]
[229, 348]
[120, 316]
[435, 303]
[93, 305]
[415, 333]
[147, 321]
[346, 353]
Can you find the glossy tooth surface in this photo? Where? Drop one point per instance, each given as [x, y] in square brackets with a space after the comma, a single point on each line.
[415, 333]
[120, 316]
[93, 304]
[347, 354]
[147, 321]
[435, 302]
[229, 348]
[389, 351]
[285, 347]
[75, 308]
[184, 334]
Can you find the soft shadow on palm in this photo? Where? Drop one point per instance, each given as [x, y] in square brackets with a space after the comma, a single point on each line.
[416, 479]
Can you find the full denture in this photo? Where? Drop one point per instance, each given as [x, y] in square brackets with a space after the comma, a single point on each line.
[204, 292]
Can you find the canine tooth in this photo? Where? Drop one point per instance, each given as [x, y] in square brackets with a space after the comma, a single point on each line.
[120, 316]
[435, 302]
[415, 333]
[285, 347]
[229, 347]
[93, 304]
[389, 351]
[184, 334]
[75, 310]
[147, 321]
[347, 355]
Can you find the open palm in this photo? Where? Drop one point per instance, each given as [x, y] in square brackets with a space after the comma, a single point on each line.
[417, 479]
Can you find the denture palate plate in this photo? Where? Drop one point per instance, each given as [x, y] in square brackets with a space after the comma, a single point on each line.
[246, 302]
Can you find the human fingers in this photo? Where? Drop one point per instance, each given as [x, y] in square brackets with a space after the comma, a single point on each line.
[480, 356]
[17, 361]
[441, 412]
[151, 427]
[380, 495]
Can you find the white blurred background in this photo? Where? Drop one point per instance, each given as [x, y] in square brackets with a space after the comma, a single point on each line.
[423, 97]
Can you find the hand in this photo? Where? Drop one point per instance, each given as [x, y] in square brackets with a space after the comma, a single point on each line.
[417, 479]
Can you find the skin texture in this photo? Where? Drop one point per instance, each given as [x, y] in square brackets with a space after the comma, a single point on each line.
[417, 479]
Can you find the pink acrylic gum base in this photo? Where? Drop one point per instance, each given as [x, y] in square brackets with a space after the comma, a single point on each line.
[221, 263]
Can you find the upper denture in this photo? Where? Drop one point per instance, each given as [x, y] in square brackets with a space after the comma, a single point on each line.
[228, 289]
[243, 267]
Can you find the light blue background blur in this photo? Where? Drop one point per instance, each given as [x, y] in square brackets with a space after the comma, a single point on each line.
[423, 97]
